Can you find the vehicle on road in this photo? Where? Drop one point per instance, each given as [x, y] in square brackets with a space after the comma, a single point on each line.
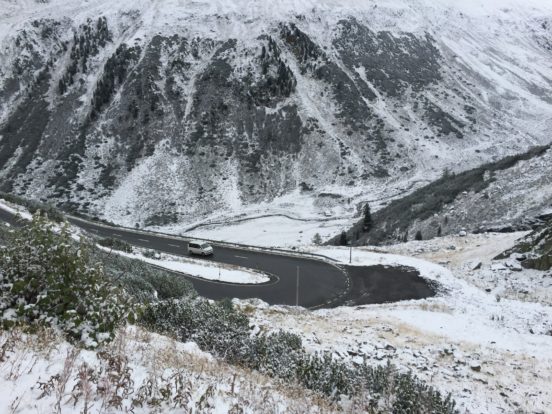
[200, 248]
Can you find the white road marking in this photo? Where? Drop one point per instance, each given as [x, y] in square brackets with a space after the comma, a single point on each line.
[117, 234]
[241, 257]
[174, 245]
[144, 240]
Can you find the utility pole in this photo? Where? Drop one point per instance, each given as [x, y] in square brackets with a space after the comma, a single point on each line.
[297, 289]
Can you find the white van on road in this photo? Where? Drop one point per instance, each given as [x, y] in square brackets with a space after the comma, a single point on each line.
[200, 248]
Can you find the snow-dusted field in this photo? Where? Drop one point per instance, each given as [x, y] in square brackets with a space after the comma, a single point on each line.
[491, 349]
[140, 372]
[275, 231]
[290, 220]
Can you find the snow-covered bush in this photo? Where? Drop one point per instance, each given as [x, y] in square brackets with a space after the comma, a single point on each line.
[414, 396]
[47, 278]
[142, 281]
[220, 329]
[215, 326]
[325, 374]
[169, 285]
[116, 244]
[278, 354]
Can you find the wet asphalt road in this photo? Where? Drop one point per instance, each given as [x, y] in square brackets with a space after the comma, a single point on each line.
[321, 283]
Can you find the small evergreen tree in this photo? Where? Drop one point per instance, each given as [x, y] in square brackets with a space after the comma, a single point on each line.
[61, 87]
[367, 218]
[343, 238]
[317, 240]
[447, 173]
[418, 235]
[439, 231]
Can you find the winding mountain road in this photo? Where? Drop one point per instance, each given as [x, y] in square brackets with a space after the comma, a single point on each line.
[322, 284]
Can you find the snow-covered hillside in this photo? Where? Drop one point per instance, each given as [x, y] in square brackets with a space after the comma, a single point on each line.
[486, 338]
[512, 198]
[172, 113]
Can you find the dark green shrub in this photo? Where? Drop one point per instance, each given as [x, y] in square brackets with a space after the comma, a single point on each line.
[414, 396]
[116, 244]
[326, 375]
[278, 354]
[47, 278]
[216, 327]
[142, 281]
[223, 331]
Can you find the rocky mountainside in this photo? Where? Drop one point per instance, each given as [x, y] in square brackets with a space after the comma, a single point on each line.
[153, 112]
[534, 251]
[514, 193]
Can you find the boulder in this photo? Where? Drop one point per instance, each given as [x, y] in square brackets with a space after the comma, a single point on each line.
[475, 366]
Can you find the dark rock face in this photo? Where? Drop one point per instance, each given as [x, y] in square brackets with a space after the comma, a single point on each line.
[313, 61]
[444, 123]
[23, 132]
[391, 64]
[534, 250]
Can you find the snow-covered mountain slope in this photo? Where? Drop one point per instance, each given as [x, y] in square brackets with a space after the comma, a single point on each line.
[510, 198]
[158, 112]
[513, 193]
[513, 198]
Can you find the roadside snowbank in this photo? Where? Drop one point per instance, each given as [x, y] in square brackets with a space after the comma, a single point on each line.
[199, 268]
[363, 257]
[15, 209]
